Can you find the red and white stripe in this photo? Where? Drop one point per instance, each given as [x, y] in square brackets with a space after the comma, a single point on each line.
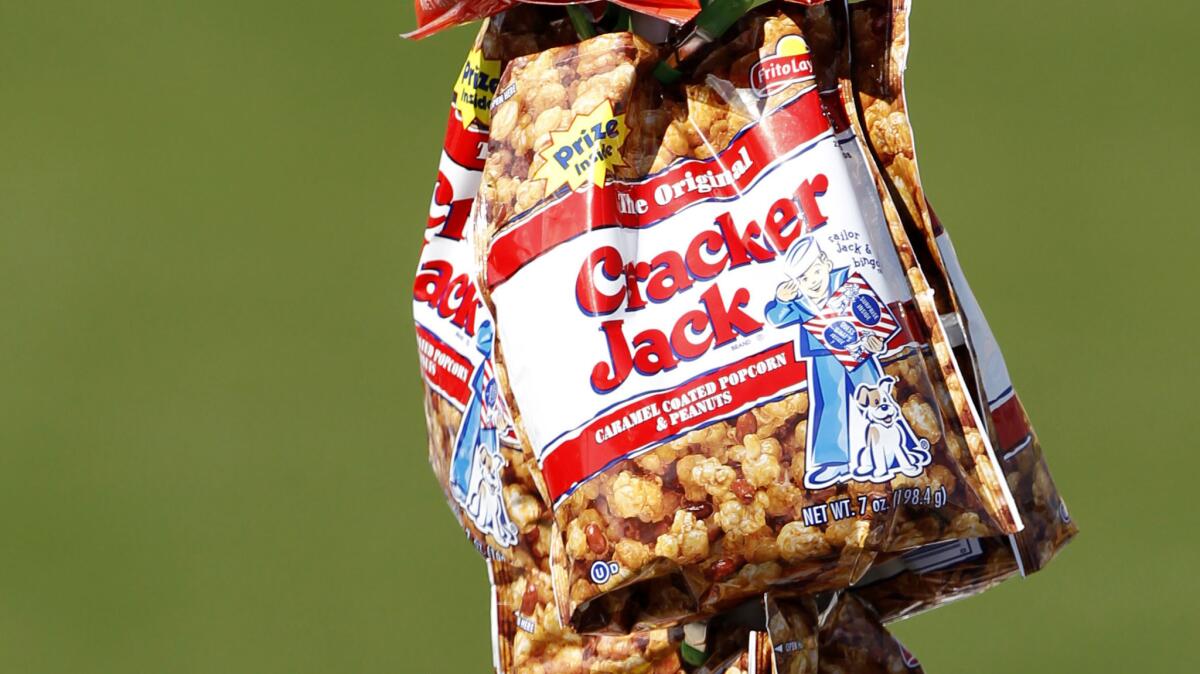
[884, 329]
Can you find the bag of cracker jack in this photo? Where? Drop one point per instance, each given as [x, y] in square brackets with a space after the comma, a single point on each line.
[879, 33]
[716, 357]
[853, 640]
[472, 447]
[826, 28]
[880, 37]
[839, 633]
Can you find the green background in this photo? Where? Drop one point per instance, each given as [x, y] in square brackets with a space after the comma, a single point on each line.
[211, 447]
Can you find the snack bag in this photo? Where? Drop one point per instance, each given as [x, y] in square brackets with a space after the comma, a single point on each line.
[1049, 526]
[793, 624]
[437, 15]
[765, 635]
[924, 578]
[929, 577]
[472, 448]
[826, 26]
[527, 638]
[854, 640]
[835, 633]
[879, 66]
[713, 356]
[900, 583]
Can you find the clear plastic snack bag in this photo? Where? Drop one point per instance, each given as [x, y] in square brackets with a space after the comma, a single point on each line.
[715, 357]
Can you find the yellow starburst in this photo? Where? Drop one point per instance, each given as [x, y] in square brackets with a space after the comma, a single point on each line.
[584, 152]
[475, 88]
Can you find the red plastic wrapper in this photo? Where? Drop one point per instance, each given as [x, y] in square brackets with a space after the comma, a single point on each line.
[437, 15]
[722, 359]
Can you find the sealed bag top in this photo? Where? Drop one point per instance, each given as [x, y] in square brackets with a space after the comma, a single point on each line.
[634, 312]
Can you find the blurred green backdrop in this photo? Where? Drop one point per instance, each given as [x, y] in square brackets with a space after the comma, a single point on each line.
[211, 448]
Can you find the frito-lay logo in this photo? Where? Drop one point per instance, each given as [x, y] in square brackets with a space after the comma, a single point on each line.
[583, 152]
[475, 88]
[788, 65]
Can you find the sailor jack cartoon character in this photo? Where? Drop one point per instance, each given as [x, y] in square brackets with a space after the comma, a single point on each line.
[843, 329]
[476, 462]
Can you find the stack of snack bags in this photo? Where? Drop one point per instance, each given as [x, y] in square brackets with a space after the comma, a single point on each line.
[704, 381]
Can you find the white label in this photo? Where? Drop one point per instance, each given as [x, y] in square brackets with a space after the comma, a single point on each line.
[620, 337]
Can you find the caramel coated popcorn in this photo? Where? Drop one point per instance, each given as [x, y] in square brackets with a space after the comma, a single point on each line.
[734, 506]
[544, 93]
[687, 540]
[529, 639]
[730, 503]
[854, 641]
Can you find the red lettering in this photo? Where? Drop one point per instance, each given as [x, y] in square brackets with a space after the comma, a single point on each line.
[463, 312]
[782, 214]
[635, 274]
[432, 279]
[693, 322]
[807, 195]
[453, 297]
[591, 300]
[743, 248]
[653, 353]
[697, 266]
[608, 375]
[729, 322]
[672, 278]
[717, 322]
[455, 218]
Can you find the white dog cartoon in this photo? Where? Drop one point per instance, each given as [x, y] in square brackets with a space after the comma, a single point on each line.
[891, 446]
[485, 501]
